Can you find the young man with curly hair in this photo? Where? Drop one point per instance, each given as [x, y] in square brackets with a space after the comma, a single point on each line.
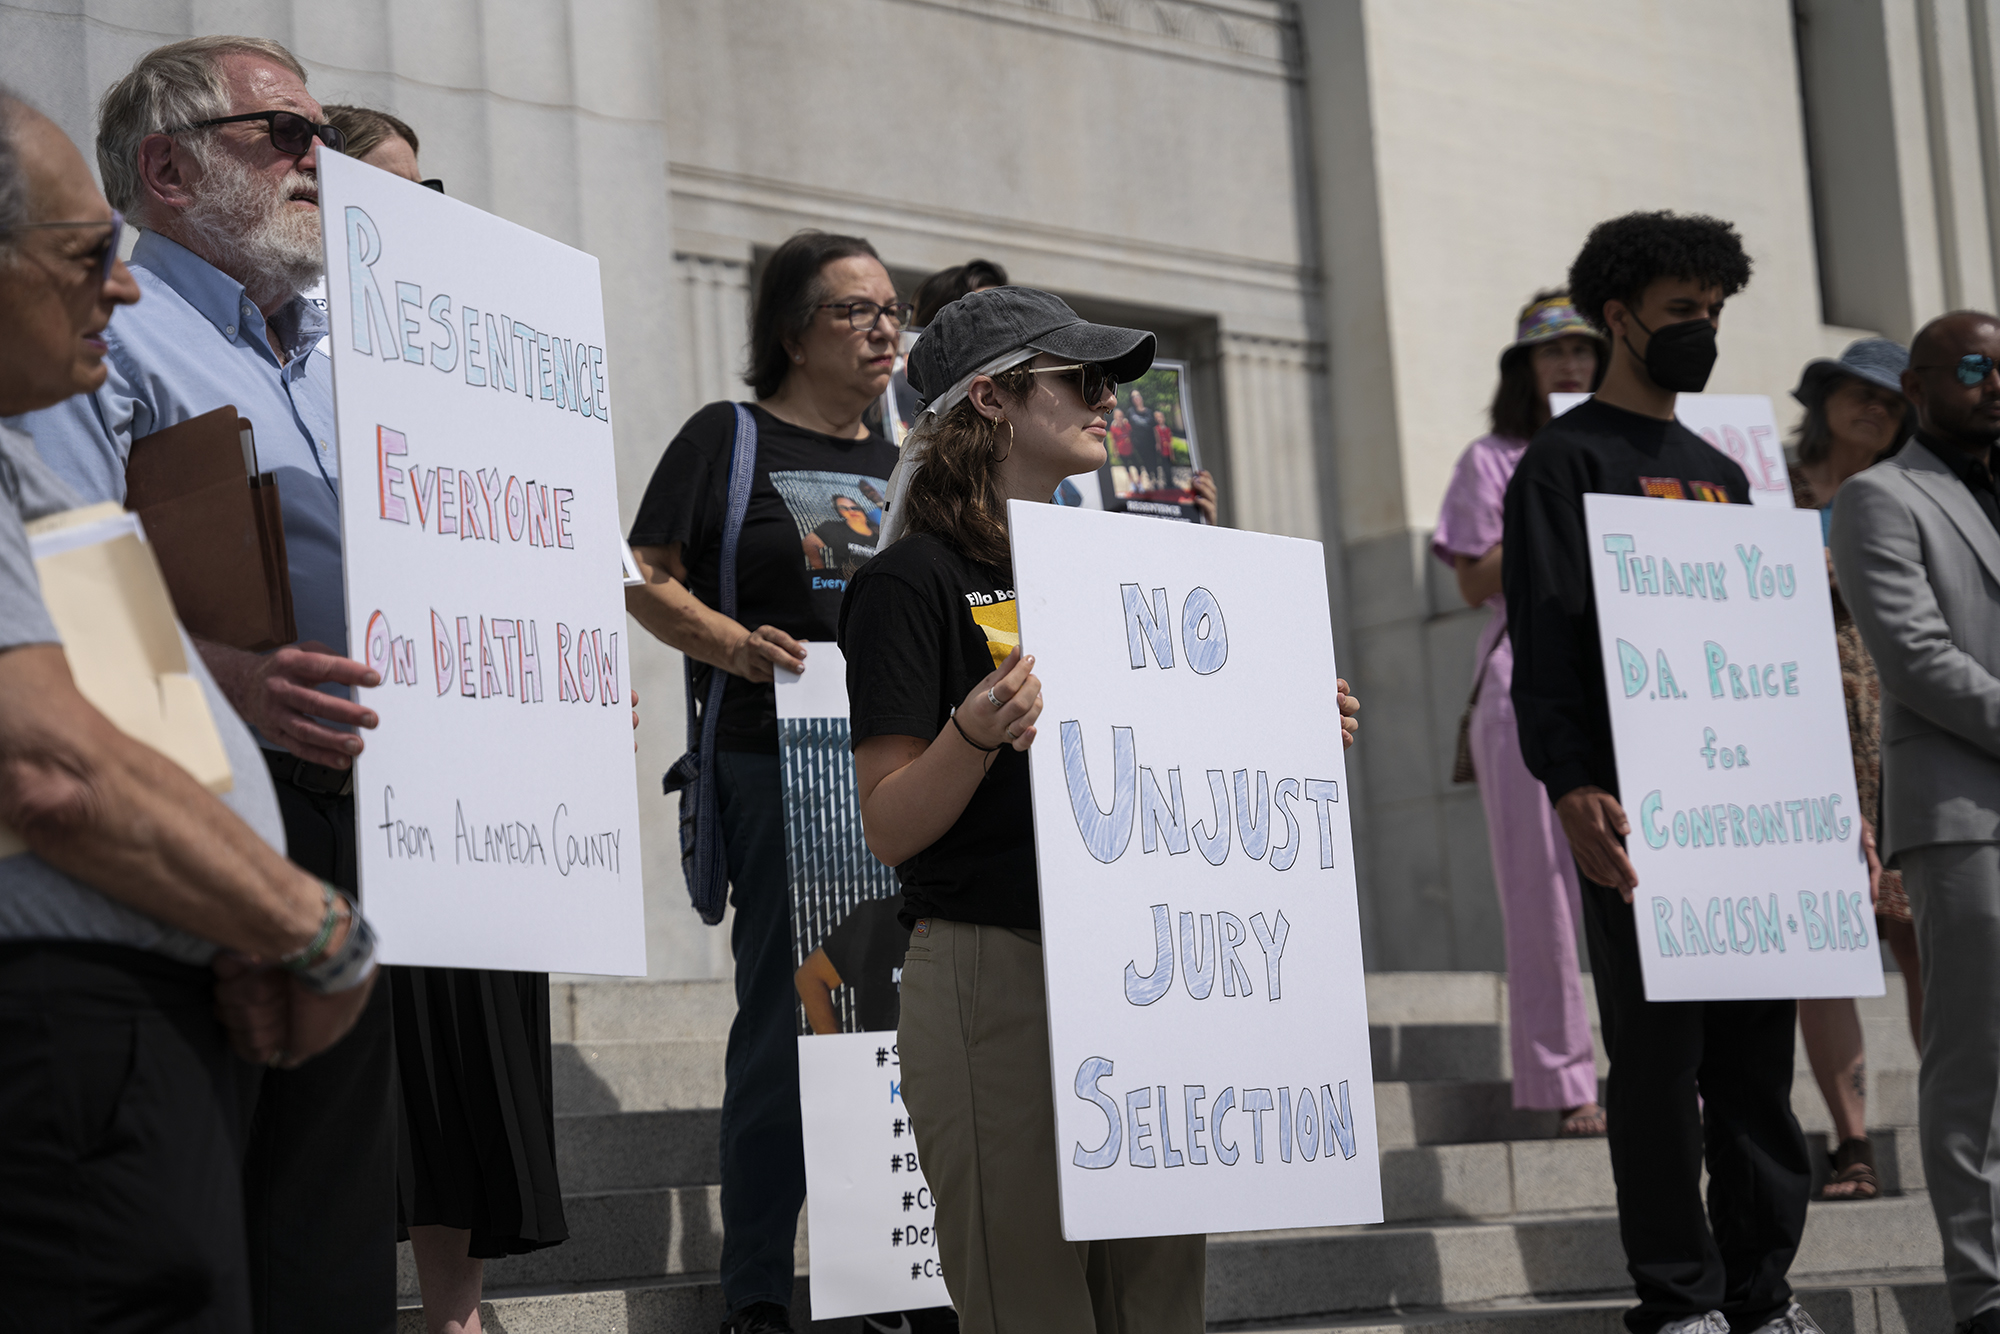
[1688, 1079]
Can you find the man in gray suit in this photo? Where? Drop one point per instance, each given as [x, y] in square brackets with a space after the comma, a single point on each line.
[1916, 543]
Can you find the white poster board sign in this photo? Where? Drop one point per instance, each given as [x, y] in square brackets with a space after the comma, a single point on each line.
[1731, 733]
[1740, 425]
[499, 820]
[1207, 1023]
[869, 1210]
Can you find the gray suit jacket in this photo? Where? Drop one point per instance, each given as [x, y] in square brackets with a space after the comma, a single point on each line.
[1919, 566]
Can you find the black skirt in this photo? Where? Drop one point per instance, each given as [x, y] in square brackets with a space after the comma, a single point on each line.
[477, 1112]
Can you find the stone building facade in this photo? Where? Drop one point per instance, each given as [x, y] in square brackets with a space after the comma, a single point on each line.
[1330, 208]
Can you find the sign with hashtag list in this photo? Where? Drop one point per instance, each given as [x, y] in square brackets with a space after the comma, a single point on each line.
[869, 1210]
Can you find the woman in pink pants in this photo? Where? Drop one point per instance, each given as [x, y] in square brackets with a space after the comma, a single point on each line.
[1555, 352]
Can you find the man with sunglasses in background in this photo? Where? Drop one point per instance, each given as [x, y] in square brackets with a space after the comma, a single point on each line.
[210, 147]
[1916, 543]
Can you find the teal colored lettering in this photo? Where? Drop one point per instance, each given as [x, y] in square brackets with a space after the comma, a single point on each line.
[1790, 671]
[1664, 676]
[1694, 578]
[1736, 682]
[1663, 929]
[1696, 941]
[1701, 827]
[1717, 660]
[1620, 546]
[1793, 808]
[1768, 933]
[1774, 825]
[1737, 835]
[1715, 588]
[1750, 560]
[1788, 581]
[1649, 816]
[1669, 584]
[1717, 943]
[1632, 668]
[1817, 936]
[1645, 578]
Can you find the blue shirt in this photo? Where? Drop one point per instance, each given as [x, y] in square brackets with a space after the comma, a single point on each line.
[193, 343]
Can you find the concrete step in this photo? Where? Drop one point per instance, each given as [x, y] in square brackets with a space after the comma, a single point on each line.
[1900, 1301]
[1275, 1276]
[638, 1150]
[1905, 1303]
[593, 1011]
[618, 1237]
[638, 1074]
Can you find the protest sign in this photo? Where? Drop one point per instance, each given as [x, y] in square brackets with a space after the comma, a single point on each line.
[869, 1210]
[1208, 1028]
[1740, 425]
[1723, 680]
[498, 817]
[1150, 448]
[832, 872]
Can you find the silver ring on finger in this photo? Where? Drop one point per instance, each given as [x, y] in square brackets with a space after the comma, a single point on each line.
[993, 699]
[1012, 735]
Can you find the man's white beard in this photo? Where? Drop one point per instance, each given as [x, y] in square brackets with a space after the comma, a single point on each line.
[244, 225]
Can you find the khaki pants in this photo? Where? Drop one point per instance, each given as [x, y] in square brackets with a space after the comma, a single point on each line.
[974, 1045]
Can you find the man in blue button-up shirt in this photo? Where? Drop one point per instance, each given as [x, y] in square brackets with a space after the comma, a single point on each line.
[211, 147]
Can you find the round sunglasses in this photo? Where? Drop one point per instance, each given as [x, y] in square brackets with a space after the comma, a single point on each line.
[1971, 369]
[291, 133]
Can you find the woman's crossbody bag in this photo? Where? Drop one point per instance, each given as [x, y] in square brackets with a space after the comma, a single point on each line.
[704, 864]
[1461, 765]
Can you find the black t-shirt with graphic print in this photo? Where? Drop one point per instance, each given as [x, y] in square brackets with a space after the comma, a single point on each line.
[1560, 706]
[866, 949]
[787, 574]
[921, 627]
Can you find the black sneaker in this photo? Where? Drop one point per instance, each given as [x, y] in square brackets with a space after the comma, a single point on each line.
[759, 1318]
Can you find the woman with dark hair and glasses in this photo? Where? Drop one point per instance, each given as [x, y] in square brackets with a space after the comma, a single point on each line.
[823, 337]
[1855, 417]
[1554, 351]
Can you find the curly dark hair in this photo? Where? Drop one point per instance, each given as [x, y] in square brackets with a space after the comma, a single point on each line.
[1623, 256]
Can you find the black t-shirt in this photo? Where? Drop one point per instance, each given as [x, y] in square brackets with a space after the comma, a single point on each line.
[787, 572]
[923, 625]
[1559, 700]
[866, 949]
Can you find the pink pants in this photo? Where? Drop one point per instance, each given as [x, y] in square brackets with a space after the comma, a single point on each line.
[1548, 1026]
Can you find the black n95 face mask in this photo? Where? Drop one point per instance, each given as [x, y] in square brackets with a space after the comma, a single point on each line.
[1679, 356]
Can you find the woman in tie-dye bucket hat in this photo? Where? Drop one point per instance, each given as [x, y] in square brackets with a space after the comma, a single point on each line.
[1554, 351]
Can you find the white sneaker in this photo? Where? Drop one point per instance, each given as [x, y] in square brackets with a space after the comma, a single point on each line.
[1711, 1323]
[1794, 1320]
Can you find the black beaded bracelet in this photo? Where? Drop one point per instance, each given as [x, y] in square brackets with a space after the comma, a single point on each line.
[968, 736]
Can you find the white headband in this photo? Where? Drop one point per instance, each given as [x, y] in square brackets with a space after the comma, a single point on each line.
[917, 443]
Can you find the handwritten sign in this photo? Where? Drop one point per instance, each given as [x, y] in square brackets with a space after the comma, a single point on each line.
[1740, 425]
[1208, 1028]
[498, 815]
[1733, 765]
[870, 1211]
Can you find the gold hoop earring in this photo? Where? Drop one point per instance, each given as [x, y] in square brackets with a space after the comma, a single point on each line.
[1010, 439]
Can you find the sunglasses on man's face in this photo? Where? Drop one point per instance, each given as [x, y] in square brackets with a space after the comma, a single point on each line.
[1093, 382]
[291, 133]
[1971, 369]
[106, 255]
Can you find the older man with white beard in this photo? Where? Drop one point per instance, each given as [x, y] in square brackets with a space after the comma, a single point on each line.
[210, 146]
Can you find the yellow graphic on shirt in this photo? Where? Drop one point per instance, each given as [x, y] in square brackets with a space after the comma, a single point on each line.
[1002, 626]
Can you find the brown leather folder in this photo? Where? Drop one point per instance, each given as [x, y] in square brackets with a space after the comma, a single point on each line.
[216, 528]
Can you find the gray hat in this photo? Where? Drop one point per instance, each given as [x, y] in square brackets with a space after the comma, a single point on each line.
[1876, 360]
[983, 325]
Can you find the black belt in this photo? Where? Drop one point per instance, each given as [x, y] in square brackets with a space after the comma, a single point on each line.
[319, 779]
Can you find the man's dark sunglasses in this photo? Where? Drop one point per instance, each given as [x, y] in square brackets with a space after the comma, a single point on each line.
[291, 133]
[863, 316]
[115, 226]
[1092, 381]
[1971, 369]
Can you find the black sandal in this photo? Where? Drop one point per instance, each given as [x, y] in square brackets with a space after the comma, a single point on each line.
[1853, 1165]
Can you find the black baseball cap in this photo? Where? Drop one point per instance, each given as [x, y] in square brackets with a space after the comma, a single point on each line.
[982, 325]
